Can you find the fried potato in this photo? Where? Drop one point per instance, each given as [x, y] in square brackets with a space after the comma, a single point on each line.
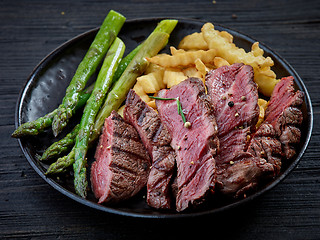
[174, 51]
[120, 110]
[193, 41]
[230, 51]
[263, 75]
[173, 76]
[219, 62]
[152, 82]
[138, 88]
[153, 68]
[256, 50]
[202, 69]
[149, 83]
[192, 72]
[262, 106]
[265, 83]
[183, 59]
[152, 104]
[226, 36]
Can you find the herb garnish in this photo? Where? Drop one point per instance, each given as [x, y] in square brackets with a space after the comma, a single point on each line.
[179, 107]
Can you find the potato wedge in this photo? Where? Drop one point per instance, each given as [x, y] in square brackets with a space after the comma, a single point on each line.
[173, 76]
[183, 59]
[194, 41]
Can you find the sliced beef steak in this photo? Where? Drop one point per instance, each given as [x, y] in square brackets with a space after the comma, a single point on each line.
[196, 145]
[157, 140]
[147, 122]
[122, 163]
[284, 114]
[244, 175]
[279, 133]
[234, 95]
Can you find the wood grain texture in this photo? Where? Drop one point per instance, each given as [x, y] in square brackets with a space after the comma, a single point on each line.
[31, 209]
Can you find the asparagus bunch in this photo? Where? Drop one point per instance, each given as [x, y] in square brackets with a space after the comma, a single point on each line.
[108, 31]
[55, 151]
[120, 76]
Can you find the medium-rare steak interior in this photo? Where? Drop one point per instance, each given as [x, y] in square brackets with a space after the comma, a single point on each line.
[195, 145]
[122, 163]
[157, 140]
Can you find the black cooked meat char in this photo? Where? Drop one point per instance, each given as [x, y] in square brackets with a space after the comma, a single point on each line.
[234, 95]
[157, 140]
[196, 145]
[122, 163]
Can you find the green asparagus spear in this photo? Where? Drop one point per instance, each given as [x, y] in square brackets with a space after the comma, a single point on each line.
[124, 63]
[62, 146]
[41, 124]
[103, 82]
[62, 164]
[100, 45]
[34, 127]
[152, 45]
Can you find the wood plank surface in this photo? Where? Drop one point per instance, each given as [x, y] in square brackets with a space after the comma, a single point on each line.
[31, 209]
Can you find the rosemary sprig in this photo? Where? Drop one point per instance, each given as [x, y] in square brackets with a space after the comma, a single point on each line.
[179, 107]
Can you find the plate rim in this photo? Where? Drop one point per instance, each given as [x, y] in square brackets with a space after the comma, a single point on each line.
[108, 209]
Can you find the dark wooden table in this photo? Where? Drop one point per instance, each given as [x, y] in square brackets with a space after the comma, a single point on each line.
[31, 209]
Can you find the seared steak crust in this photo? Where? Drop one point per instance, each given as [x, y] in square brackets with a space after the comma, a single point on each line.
[146, 121]
[157, 140]
[279, 133]
[265, 144]
[122, 163]
[284, 114]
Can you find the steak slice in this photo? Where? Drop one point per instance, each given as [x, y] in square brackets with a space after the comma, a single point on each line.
[122, 163]
[284, 114]
[195, 146]
[156, 139]
[234, 95]
[279, 133]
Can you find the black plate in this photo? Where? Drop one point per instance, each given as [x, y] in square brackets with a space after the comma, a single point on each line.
[46, 86]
